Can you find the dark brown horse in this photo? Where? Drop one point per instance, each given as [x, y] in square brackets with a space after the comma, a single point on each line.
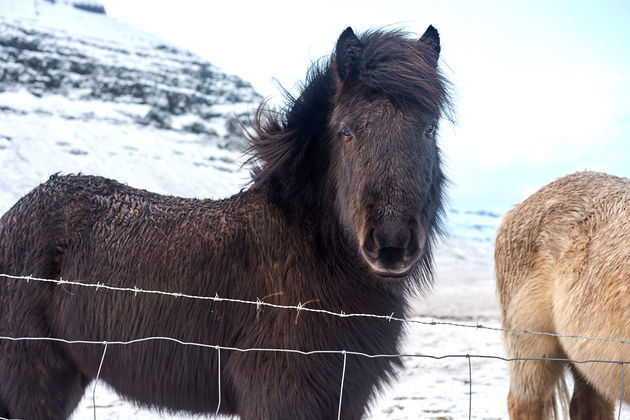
[343, 210]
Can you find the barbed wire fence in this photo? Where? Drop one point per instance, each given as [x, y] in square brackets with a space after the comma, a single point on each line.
[258, 303]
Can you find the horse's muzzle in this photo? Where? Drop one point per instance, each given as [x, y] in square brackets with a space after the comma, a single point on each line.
[393, 249]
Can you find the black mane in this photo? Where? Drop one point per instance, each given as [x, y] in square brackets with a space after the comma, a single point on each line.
[288, 148]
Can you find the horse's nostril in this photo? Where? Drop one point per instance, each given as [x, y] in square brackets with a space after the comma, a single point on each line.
[413, 245]
[370, 244]
[391, 243]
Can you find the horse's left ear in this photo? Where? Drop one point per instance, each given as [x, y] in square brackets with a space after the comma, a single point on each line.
[430, 43]
[348, 55]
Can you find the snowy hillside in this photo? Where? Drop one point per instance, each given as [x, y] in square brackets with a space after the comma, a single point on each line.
[479, 225]
[80, 91]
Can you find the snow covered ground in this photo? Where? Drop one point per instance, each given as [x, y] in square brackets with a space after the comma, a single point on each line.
[34, 145]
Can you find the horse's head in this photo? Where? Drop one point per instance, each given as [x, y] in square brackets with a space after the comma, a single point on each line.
[384, 158]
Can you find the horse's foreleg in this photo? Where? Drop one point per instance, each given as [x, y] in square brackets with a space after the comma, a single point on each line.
[38, 382]
[587, 403]
[4, 411]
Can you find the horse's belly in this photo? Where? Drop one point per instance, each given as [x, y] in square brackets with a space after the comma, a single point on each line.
[167, 375]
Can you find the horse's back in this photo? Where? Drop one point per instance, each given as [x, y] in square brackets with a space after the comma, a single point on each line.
[572, 230]
[96, 230]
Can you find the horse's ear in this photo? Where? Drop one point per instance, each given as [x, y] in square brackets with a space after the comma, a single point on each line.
[430, 44]
[348, 55]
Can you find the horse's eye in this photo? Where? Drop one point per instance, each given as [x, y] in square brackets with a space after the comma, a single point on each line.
[346, 133]
[430, 130]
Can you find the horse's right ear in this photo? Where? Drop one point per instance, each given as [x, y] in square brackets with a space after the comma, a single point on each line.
[348, 55]
[430, 43]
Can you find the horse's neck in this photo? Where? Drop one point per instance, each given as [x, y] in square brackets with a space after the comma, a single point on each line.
[308, 258]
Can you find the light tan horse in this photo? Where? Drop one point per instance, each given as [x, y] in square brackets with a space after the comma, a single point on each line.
[563, 266]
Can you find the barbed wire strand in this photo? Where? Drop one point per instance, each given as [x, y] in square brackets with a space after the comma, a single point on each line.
[258, 303]
[98, 373]
[312, 352]
[345, 353]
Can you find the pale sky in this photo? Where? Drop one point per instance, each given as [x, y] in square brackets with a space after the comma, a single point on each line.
[542, 88]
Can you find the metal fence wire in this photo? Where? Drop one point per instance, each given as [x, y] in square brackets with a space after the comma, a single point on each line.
[258, 303]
